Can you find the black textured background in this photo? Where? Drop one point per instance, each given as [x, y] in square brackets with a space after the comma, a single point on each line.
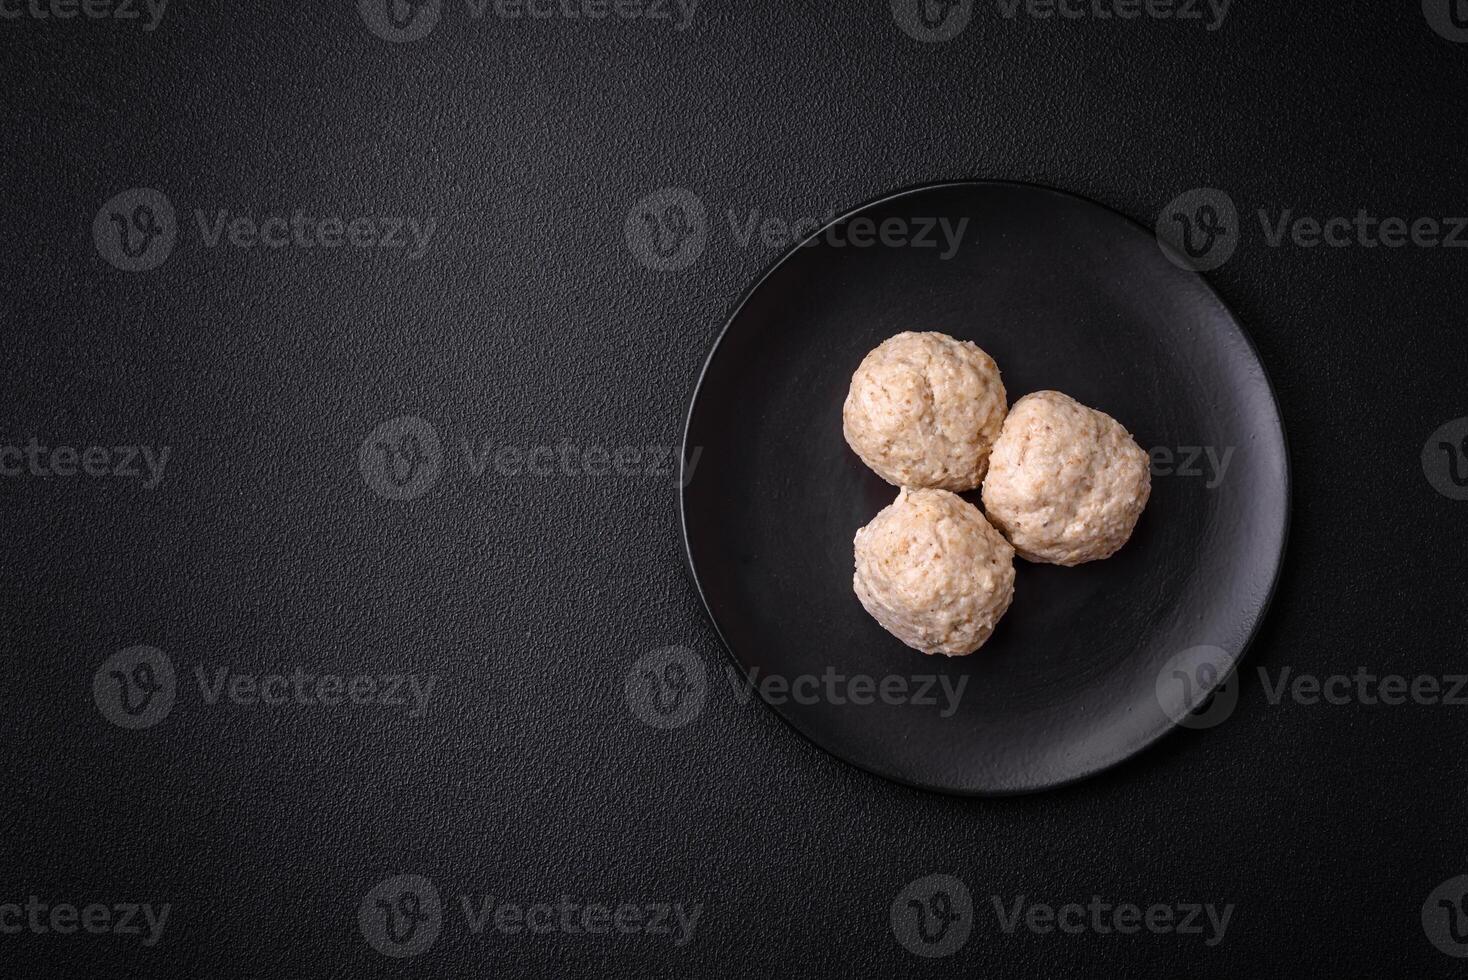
[529, 322]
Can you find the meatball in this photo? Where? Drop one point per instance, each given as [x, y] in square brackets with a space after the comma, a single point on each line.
[924, 410]
[932, 571]
[1066, 483]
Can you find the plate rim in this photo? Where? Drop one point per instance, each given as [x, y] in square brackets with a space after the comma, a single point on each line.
[1151, 740]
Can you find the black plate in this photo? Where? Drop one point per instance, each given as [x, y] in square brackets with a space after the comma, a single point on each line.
[1064, 294]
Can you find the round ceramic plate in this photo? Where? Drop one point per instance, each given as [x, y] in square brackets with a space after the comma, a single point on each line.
[1092, 663]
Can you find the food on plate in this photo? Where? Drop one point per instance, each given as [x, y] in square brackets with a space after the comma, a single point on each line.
[933, 572]
[1066, 483]
[924, 409]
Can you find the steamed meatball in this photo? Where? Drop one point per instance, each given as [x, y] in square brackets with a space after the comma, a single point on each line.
[924, 410]
[1066, 483]
[932, 571]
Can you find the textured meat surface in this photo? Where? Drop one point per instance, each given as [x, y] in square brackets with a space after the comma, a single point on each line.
[1066, 483]
[934, 573]
[924, 410]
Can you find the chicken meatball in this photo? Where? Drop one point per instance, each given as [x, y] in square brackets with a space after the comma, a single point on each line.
[1066, 483]
[924, 410]
[933, 572]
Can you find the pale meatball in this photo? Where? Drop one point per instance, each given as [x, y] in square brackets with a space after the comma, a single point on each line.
[932, 571]
[924, 410]
[1066, 483]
